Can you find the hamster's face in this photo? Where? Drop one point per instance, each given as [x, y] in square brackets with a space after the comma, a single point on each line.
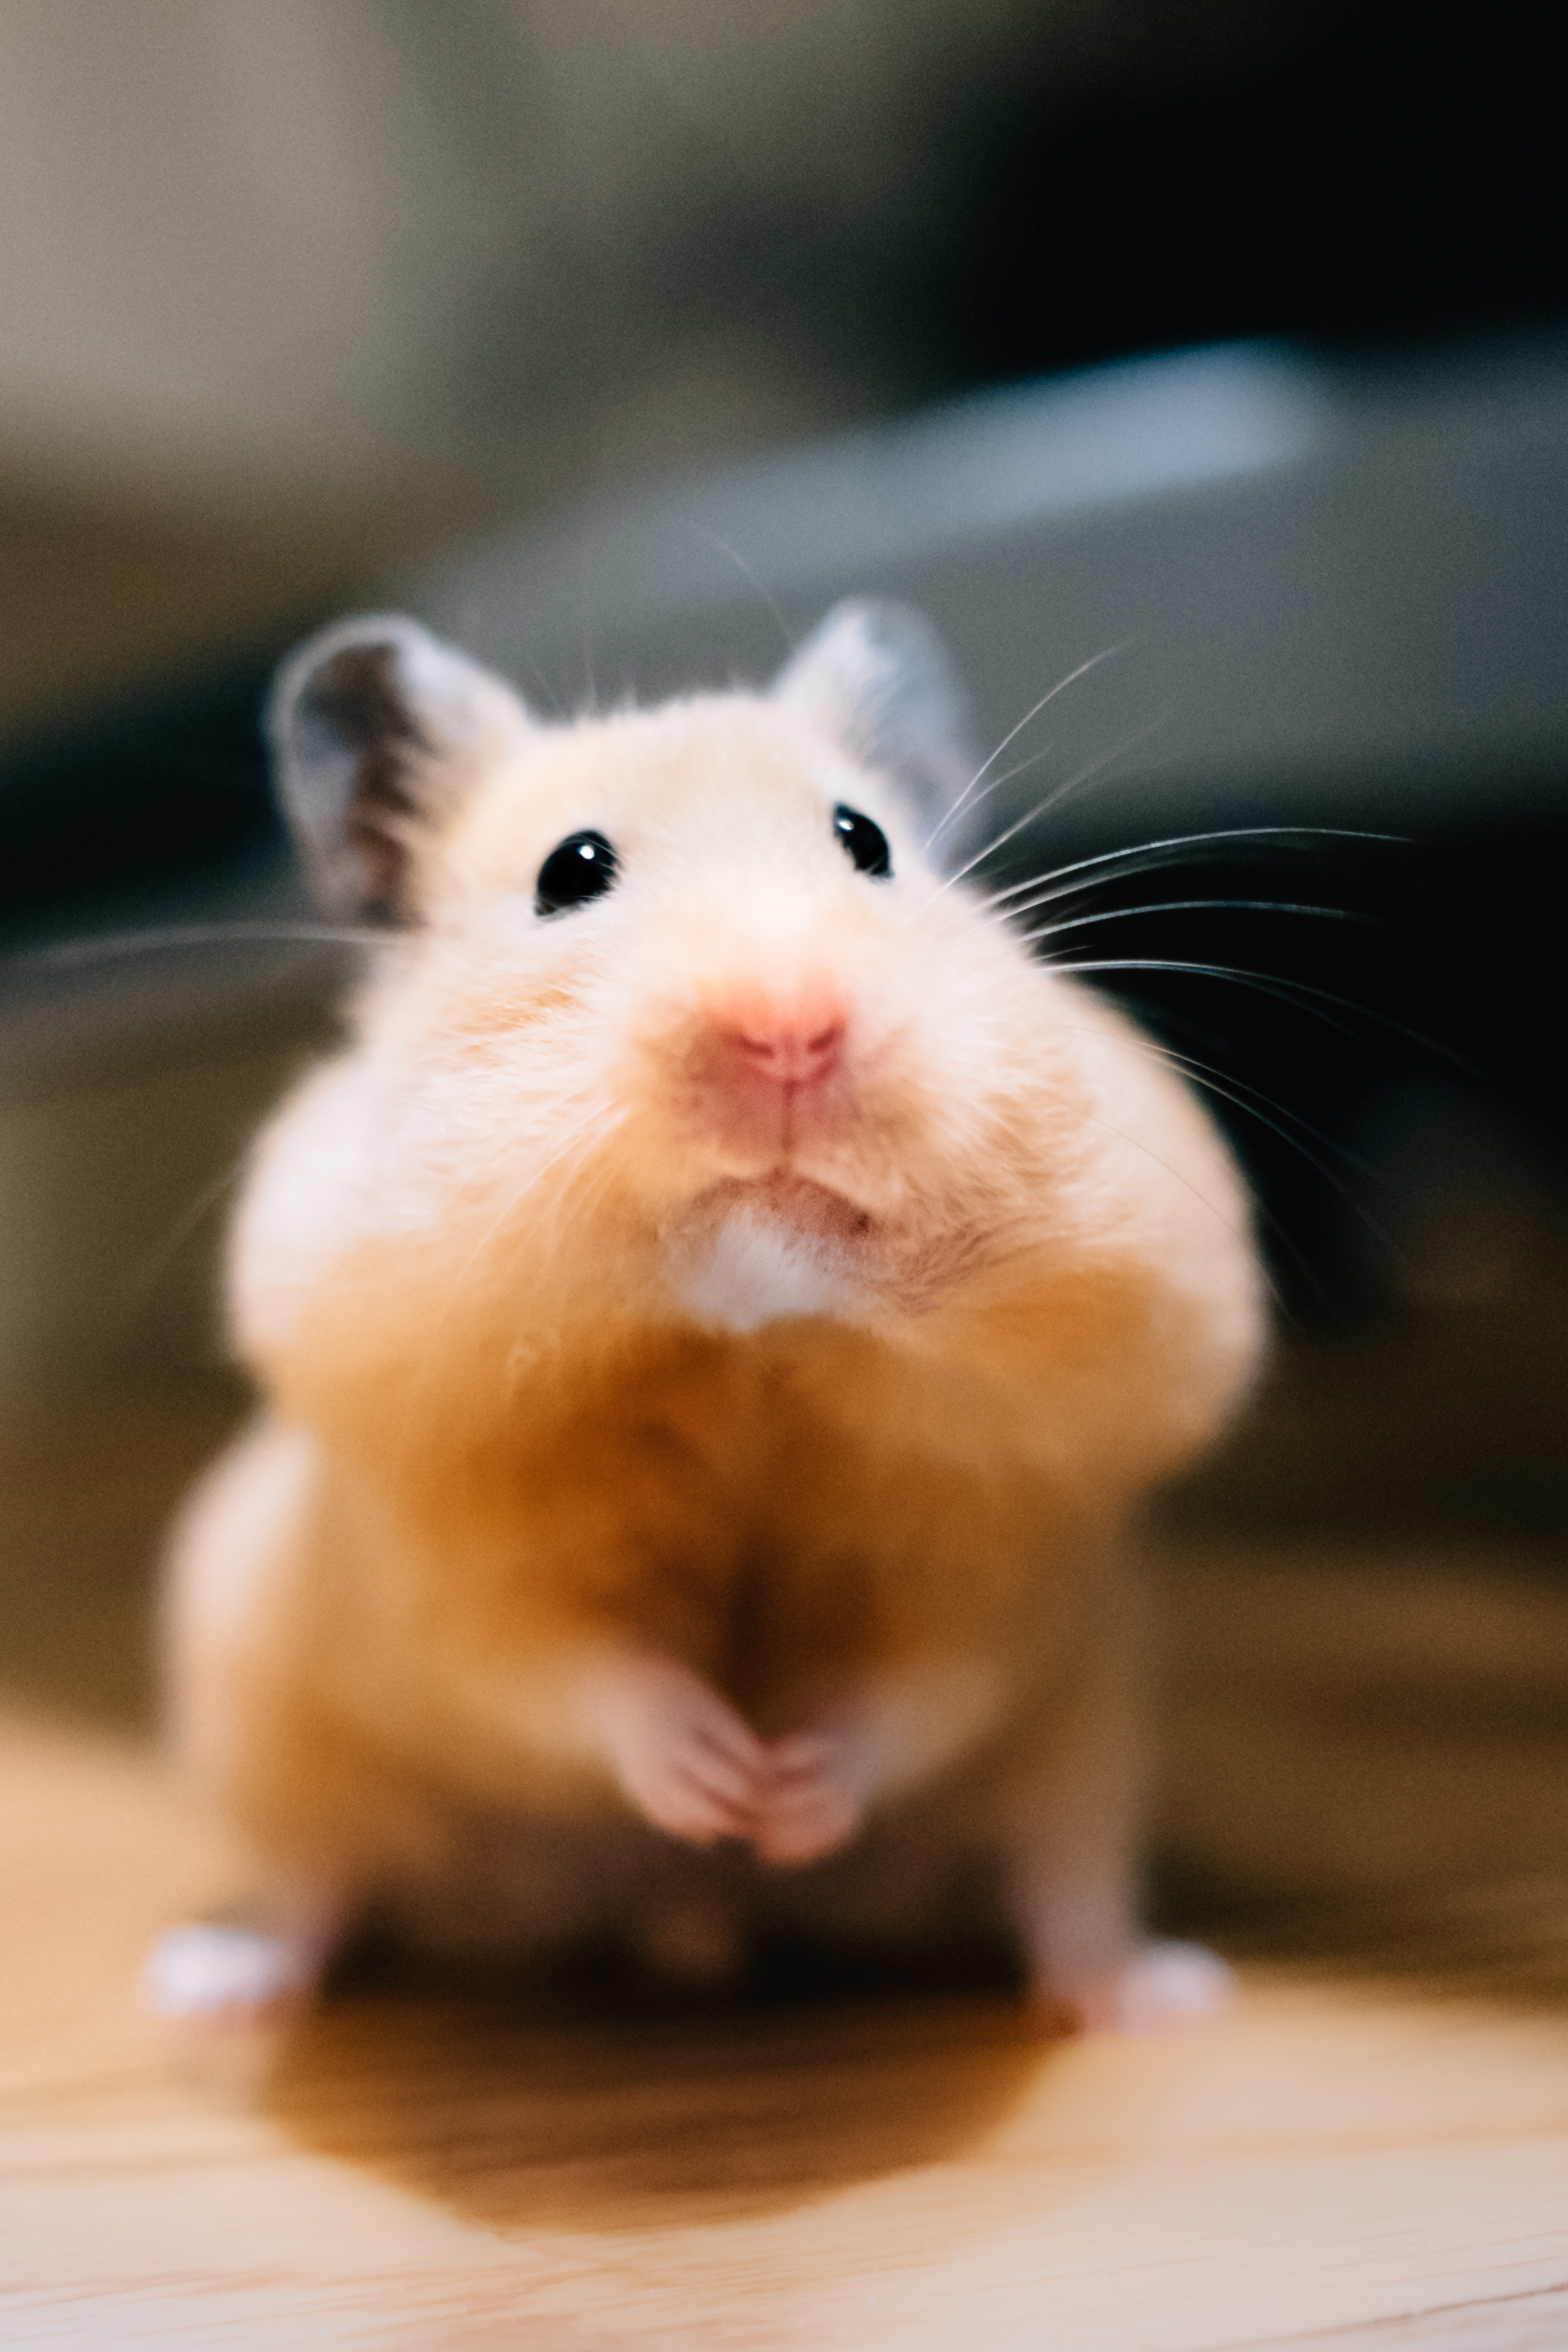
[701, 950]
[692, 965]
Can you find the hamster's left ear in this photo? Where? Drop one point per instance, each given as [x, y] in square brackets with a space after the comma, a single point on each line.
[877, 676]
[377, 731]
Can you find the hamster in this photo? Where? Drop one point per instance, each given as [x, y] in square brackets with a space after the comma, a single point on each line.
[715, 1317]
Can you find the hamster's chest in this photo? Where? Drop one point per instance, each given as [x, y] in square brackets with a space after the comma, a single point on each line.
[787, 1507]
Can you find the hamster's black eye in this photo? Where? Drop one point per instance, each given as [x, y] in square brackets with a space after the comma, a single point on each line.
[866, 843]
[581, 867]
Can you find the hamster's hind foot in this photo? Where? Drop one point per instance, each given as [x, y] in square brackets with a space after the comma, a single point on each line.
[1163, 1988]
[241, 1973]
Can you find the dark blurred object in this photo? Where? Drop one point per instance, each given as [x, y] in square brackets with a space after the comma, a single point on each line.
[1343, 171]
[166, 792]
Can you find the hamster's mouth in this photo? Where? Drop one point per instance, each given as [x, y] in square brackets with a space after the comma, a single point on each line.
[753, 1251]
[812, 1210]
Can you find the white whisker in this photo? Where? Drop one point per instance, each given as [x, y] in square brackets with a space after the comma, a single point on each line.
[1203, 1073]
[714, 539]
[1007, 777]
[1249, 1098]
[143, 1277]
[1289, 991]
[67, 953]
[1139, 1145]
[596, 1123]
[956, 810]
[1051, 799]
[1183, 906]
[1306, 834]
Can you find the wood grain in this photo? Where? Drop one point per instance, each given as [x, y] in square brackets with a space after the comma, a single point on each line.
[1365, 1787]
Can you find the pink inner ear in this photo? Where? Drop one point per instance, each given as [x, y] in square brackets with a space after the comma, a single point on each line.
[373, 724]
[358, 694]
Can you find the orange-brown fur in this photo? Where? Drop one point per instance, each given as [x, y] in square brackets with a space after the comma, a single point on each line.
[501, 1445]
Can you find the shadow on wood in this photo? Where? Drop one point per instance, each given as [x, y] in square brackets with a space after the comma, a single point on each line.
[519, 2117]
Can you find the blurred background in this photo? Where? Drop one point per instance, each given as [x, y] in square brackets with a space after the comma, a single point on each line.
[1232, 333]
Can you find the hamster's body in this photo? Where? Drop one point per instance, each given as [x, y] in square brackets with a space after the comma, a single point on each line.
[713, 1330]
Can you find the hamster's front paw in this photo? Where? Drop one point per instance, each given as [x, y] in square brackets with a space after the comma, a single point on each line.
[1163, 1988]
[681, 1752]
[814, 1797]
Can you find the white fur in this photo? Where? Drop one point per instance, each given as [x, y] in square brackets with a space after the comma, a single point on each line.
[754, 1271]
[207, 1972]
[1164, 1988]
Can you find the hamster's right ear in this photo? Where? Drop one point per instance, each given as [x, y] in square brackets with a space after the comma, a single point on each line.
[875, 675]
[377, 731]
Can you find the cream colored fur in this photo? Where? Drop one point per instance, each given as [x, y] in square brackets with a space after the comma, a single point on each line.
[654, 1509]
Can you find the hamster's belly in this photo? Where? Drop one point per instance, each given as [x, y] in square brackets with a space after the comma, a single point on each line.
[793, 1508]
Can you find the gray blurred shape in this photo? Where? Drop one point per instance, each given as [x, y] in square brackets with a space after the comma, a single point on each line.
[1331, 581]
[1339, 593]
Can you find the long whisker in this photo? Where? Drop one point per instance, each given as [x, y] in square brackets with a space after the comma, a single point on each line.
[1139, 1145]
[1306, 834]
[1249, 1099]
[701, 530]
[1208, 1074]
[1006, 777]
[1051, 799]
[1048, 892]
[1108, 653]
[1185, 905]
[68, 953]
[1289, 991]
[150, 1269]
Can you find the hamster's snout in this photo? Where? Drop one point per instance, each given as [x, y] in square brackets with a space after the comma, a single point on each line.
[784, 1050]
[769, 1067]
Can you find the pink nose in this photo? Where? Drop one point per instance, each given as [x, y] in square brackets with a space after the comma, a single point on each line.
[789, 1053]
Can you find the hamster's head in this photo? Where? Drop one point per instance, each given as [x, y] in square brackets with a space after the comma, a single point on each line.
[695, 961]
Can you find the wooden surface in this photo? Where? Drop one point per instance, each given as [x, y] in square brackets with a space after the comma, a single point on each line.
[433, 2169]
[1365, 1788]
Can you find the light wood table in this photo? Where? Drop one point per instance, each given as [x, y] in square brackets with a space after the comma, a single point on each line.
[1370, 2152]
[1345, 2162]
